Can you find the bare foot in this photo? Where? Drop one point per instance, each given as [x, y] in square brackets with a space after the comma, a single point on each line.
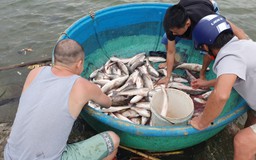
[162, 65]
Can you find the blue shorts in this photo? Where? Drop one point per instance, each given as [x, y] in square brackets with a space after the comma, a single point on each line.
[164, 40]
[94, 148]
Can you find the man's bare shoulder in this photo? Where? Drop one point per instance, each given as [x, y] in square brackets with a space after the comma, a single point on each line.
[33, 73]
[31, 76]
[83, 85]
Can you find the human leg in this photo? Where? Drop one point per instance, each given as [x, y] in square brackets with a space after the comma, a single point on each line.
[245, 144]
[116, 140]
[98, 147]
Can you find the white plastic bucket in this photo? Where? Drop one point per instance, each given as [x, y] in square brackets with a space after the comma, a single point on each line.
[180, 108]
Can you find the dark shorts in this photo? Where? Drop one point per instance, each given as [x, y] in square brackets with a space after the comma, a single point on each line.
[94, 148]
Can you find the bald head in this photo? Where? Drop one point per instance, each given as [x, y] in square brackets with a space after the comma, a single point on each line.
[68, 52]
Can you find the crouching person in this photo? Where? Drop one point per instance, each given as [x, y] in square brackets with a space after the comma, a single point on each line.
[51, 100]
[235, 68]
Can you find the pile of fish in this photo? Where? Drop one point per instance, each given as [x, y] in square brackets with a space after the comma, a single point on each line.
[131, 83]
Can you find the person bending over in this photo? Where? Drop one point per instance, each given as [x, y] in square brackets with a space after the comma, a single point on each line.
[179, 22]
[235, 68]
[51, 100]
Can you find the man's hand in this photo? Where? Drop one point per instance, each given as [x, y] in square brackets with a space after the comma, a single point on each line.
[196, 123]
[199, 83]
[164, 81]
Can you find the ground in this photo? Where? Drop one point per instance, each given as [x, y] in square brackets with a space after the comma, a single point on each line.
[219, 146]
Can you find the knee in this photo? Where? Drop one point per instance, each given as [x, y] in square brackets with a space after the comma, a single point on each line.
[115, 138]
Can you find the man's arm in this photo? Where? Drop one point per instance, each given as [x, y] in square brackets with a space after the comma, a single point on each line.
[206, 62]
[238, 31]
[216, 101]
[170, 56]
[98, 96]
[84, 91]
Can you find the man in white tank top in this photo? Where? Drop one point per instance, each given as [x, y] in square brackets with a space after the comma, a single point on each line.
[51, 100]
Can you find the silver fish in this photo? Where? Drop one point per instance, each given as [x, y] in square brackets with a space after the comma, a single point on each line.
[136, 99]
[185, 88]
[147, 81]
[115, 109]
[100, 75]
[191, 66]
[134, 92]
[116, 70]
[123, 60]
[136, 120]
[144, 120]
[133, 77]
[113, 76]
[142, 112]
[139, 82]
[94, 105]
[123, 67]
[179, 79]
[151, 70]
[144, 105]
[136, 57]
[156, 89]
[123, 88]
[120, 100]
[101, 82]
[206, 94]
[143, 69]
[156, 59]
[112, 115]
[191, 77]
[199, 100]
[94, 73]
[114, 83]
[130, 81]
[130, 113]
[137, 63]
[119, 116]
[107, 67]
[162, 71]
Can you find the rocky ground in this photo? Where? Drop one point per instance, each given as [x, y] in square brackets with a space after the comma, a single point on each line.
[218, 147]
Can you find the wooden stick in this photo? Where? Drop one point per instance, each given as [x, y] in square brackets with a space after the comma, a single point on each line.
[167, 153]
[139, 153]
[25, 64]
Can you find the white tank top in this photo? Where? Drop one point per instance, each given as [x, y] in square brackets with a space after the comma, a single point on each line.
[43, 121]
